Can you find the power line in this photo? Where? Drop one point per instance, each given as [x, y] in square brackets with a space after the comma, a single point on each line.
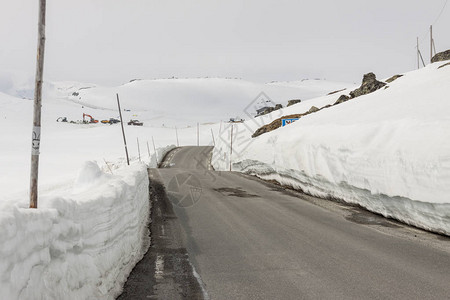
[425, 35]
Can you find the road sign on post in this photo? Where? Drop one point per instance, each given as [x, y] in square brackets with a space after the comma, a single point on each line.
[285, 122]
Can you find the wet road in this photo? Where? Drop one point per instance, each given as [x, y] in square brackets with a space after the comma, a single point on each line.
[250, 239]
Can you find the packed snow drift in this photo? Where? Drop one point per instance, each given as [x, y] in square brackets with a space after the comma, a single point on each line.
[387, 151]
[82, 242]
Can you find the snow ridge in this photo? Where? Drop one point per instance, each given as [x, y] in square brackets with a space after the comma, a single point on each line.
[80, 246]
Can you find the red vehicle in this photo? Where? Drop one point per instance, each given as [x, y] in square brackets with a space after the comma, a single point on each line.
[91, 119]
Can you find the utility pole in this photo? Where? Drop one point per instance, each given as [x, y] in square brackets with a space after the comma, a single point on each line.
[36, 134]
[123, 131]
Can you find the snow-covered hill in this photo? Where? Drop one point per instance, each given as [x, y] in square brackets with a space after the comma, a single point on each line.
[387, 151]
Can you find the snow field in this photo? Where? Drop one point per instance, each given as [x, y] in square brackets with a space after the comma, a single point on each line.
[78, 245]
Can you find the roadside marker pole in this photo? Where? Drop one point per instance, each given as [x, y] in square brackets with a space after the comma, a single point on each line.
[123, 131]
[148, 150]
[418, 57]
[214, 141]
[431, 42]
[139, 150]
[156, 153]
[36, 134]
[198, 134]
[176, 132]
[231, 144]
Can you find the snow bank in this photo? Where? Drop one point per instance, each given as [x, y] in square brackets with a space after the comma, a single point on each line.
[387, 151]
[79, 245]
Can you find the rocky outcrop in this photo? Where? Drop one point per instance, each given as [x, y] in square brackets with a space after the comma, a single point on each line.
[444, 65]
[313, 109]
[393, 78]
[275, 124]
[268, 110]
[294, 101]
[342, 99]
[334, 92]
[441, 56]
[369, 85]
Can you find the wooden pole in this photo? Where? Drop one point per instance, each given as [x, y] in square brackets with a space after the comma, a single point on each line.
[214, 141]
[198, 134]
[36, 134]
[148, 150]
[123, 131]
[176, 132]
[156, 153]
[231, 144]
[139, 150]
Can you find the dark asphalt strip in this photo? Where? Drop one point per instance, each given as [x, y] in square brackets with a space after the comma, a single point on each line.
[165, 271]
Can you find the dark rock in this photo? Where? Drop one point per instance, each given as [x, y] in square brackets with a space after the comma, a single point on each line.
[313, 109]
[268, 110]
[75, 94]
[441, 56]
[393, 78]
[334, 92]
[447, 64]
[342, 99]
[275, 124]
[369, 85]
[294, 101]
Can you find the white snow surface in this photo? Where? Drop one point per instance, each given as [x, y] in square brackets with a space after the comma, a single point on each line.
[90, 227]
[387, 151]
[79, 244]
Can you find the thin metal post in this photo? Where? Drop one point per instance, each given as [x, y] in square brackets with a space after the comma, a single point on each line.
[36, 134]
[156, 153]
[231, 144]
[139, 149]
[176, 133]
[148, 150]
[123, 131]
[214, 141]
[418, 62]
[431, 43]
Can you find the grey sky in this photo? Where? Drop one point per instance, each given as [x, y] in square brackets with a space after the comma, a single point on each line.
[112, 41]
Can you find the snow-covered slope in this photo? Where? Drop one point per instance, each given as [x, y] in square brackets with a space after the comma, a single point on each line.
[187, 101]
[387, 151]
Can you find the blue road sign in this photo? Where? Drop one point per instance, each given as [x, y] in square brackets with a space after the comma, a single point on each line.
[285, 122]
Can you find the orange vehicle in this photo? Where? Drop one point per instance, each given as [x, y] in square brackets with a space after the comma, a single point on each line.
[91, 119]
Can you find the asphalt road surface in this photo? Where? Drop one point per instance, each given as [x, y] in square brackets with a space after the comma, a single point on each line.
[249, 239]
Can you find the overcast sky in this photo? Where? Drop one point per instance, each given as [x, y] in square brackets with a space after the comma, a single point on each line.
[112, 41]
